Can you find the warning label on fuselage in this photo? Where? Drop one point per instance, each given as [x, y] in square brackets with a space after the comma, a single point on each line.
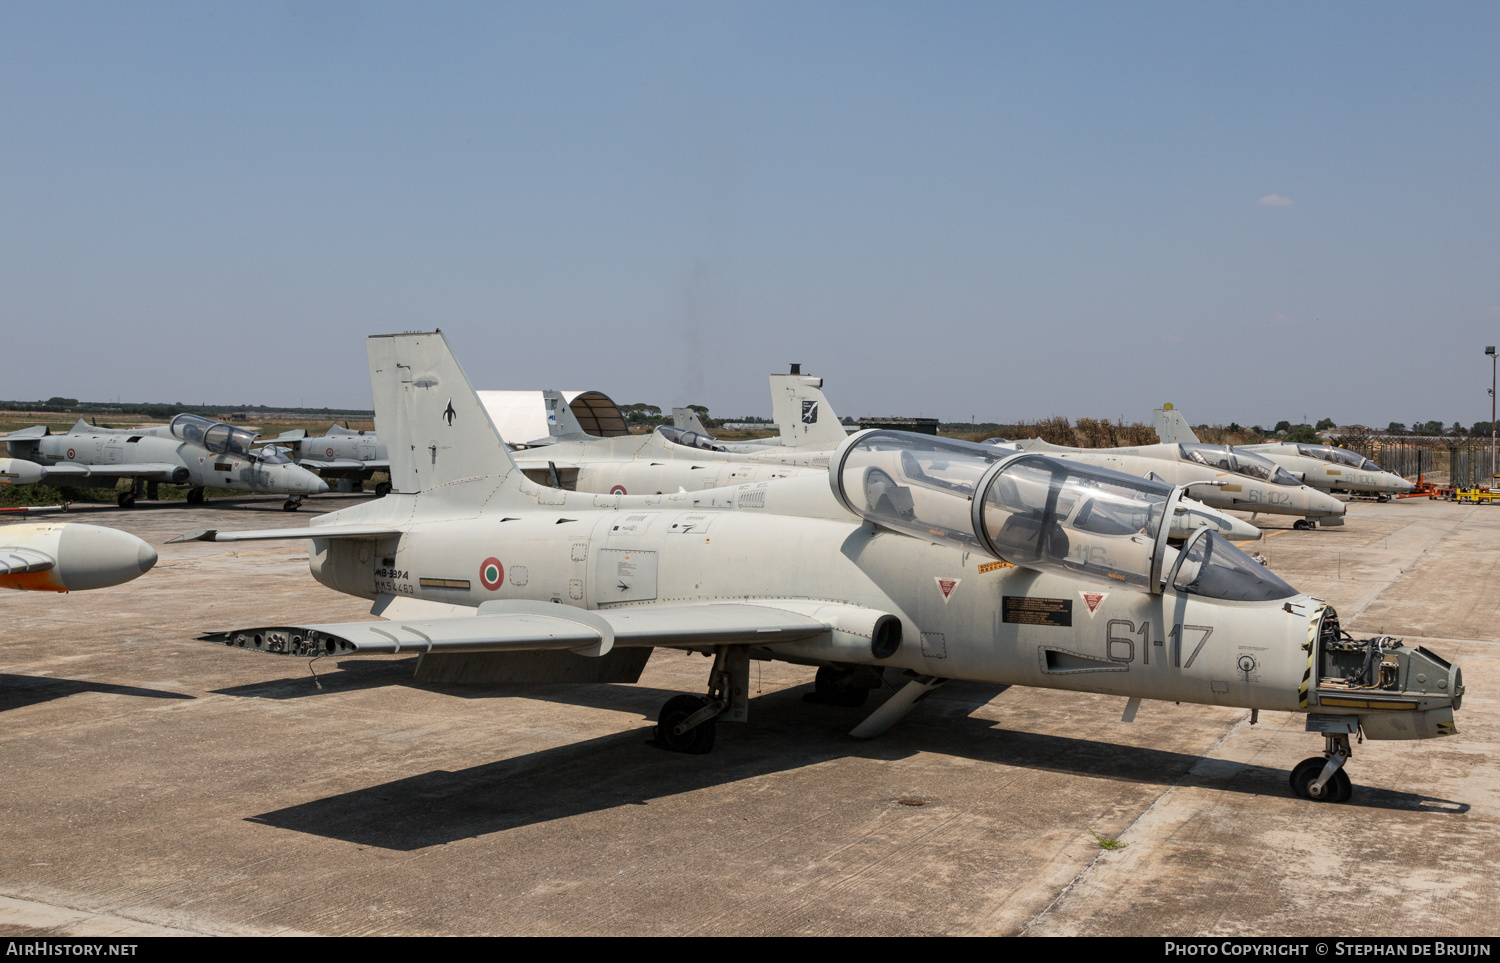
[1035, 611]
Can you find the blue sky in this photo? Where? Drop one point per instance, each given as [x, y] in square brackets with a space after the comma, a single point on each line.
[1256, 211]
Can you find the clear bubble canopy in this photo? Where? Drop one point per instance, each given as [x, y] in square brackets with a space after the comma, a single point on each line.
[216, 436]
[1027, 509]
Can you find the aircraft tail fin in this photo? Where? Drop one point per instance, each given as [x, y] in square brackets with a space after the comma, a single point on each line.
[1171, 427]
[802, 413]
[432, 422]
[687, 419]
[562, 423]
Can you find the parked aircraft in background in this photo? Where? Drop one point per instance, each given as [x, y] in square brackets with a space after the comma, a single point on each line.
[56, 557]
[1320, 466]
[191, 450]
[911, 556]
[1221, 477]
[339, 453]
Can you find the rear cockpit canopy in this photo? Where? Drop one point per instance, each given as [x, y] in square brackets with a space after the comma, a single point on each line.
[1237, 460]
[1031, 510]
[689, 439]
[217, 437]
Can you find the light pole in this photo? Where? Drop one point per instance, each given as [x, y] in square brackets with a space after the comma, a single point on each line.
[1491, 352]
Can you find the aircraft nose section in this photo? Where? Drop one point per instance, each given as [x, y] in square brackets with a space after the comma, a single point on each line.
[1324, 505]
[145, 559]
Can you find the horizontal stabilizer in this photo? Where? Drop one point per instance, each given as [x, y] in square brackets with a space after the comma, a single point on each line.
[518, 626]
[272, 534]
[27, 434]
[19, 561]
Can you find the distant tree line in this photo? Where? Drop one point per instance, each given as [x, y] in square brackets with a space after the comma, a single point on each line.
[165, 411]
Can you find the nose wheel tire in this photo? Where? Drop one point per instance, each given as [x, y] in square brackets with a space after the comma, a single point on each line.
[697, 740]
[831, 689]
[1304, 524]
[1337, 789]
[290, 506]
[382, 489]
[125, 499]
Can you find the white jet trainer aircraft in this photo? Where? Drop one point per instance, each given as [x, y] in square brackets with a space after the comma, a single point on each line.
[191, 450]
[1221, 477]
[1319, 466]
[914, 555]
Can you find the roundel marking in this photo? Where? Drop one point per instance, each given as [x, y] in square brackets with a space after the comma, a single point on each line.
[70, 453]
[491, 573]
[618, 490]
[330, 452]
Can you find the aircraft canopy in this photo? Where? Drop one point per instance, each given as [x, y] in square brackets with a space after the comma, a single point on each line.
[1035, 511]
[689, 439]
[1237, 460]
[1338, 456]
[216, 436]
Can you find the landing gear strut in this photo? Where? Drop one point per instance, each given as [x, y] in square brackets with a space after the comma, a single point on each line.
[686, 722]
[1324, 779]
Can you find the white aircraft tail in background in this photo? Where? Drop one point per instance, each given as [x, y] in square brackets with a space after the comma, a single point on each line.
[1171, 427]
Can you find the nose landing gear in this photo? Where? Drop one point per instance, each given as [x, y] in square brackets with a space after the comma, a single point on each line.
[292, 504]
[686, 722]
[1304, 524]
[1323, 779]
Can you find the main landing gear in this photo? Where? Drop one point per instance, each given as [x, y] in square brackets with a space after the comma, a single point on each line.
[686, 722]
[1323, 779]
[137, 490]
[195, 496]
[292, 504]
[382, 489]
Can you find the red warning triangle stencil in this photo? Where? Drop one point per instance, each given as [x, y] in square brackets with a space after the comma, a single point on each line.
[946, 586]
[1093, 600]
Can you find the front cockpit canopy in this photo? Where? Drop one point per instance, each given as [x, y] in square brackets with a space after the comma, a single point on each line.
[217, 437]
[1211, 566]
[689, 439]
[1237, 460]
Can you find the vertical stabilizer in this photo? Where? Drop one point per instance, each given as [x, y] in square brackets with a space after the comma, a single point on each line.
[687, 420]
[562, 423]
[427, 414]
[803, 414]
[1171, 427]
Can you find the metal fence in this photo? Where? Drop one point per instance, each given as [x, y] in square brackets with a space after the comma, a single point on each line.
[1471, 466]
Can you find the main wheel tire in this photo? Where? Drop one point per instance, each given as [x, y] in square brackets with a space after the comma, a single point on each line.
[125, 499]
[195, 496]
[1337, 789]
[382, 489]
[697, 740]
[831, 690]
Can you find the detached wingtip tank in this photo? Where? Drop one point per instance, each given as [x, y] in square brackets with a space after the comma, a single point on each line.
[916, 555]
[70, 557]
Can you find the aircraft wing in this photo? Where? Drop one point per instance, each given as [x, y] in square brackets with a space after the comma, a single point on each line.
[162, 471]
[334, 464]
[268, 534]
[519, 625]
[18, 561]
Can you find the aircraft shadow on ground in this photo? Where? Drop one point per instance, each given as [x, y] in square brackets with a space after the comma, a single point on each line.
[19, 691]
[786, 733]
[354, 674]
